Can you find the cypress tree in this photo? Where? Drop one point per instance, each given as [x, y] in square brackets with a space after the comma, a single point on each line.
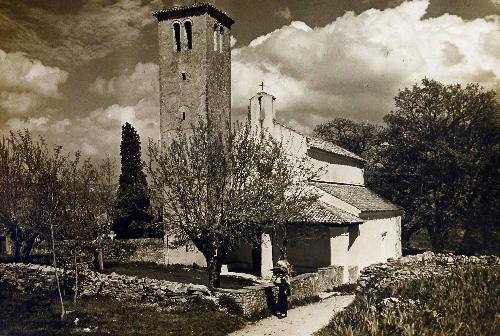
[132, 202]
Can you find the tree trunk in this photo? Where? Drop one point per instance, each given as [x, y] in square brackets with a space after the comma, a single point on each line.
[27, 249]
[76, 278]
[17, 245]
[438, 237]
[214, 267]
[98, 259]
[17, 251]
[407, 233]
[63, 311]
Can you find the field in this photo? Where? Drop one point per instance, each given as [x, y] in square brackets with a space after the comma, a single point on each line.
[463, 301]
[35, 314]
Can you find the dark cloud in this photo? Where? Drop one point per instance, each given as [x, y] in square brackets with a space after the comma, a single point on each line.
[75, 33]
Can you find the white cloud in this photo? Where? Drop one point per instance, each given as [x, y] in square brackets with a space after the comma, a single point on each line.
[130, 88]
[37, 124]
[135, 99]
[26, 84]
[354, 66]
[20, 74]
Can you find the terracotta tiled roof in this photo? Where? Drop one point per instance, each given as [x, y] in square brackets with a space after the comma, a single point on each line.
[196, 8]
[324, 145]
[358, 196]
[322, 212]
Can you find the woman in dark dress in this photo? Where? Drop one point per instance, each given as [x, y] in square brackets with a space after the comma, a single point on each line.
[283, 293]
[281, 280]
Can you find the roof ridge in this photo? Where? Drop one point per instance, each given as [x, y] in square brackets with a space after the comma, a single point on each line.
[341, 183]
[346, 153]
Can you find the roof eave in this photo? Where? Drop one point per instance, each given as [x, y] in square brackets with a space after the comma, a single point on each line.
[381, 214]
[196, 9]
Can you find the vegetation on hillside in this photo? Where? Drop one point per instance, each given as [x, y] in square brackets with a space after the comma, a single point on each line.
[462, 301]
[437, 156]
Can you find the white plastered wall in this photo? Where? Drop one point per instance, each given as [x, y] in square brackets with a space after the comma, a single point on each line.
[185, 255]
[378, 240]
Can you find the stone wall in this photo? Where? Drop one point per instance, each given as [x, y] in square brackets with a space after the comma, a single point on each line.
[427, 264]
[31, 277]
[261, 297]
[132, 250]
[118, 250]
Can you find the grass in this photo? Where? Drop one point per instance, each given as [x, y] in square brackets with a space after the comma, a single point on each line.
[35, 314]
[176, 273]
[466, 302]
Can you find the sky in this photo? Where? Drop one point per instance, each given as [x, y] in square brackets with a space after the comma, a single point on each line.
[75, 71]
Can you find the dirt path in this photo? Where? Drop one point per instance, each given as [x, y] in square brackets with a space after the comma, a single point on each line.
[301, 321]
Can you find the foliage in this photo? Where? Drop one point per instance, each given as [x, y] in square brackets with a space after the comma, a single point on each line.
[464, 302]
[220, 188]
[441, 159]
[357, 137]
[41, 187]
[132, 202]
[30, 189]
[35, 314]
[89, 192]
[438, 157]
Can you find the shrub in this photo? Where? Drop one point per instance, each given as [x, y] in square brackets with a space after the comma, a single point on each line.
[463, 301]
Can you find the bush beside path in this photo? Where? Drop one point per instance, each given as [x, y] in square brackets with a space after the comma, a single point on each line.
[427, 294]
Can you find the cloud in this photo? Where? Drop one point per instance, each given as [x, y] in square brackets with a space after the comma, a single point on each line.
[134, 97]
[285, 13]
[130, 88]
[354, 66]
[26, 85]
[37, 124]
[99, 133]
[86, 33]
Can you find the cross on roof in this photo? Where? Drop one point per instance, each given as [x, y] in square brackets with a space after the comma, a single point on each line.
[262, 86]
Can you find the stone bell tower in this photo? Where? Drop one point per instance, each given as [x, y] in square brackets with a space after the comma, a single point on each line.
[195, 67]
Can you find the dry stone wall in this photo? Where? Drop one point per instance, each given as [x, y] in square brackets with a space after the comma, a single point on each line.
[261, 297]
[250, 300]
[379, 276]
[31, 277]
[118, 250]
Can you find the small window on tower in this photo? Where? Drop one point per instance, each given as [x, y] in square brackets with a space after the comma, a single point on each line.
[177, 36]
[188, 27]
[216, 34]
[183, 112]
[221, 39]
[184, 76]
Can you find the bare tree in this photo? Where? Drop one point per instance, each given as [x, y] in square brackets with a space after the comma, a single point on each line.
[220, 188]
[45, 195]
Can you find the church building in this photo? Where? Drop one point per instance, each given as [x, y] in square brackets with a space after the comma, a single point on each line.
[349, 226]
